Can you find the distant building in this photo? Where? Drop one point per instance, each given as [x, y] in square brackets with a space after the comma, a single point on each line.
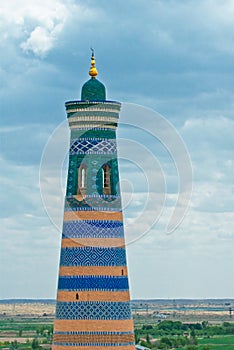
[140, 347]
[186, 334]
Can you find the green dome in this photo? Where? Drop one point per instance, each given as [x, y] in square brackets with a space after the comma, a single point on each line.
[93, 90]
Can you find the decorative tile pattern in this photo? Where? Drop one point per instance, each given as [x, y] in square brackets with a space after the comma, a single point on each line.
[111, 283]
[92, 133]
[93, 256]
[93, 229]
[94, 338]
[94, 310]
[107, 106]
[93, 164]
[93, 146]
[93, 202]
[87, 128]
[92, 125]
[91, 120]
[114, 345]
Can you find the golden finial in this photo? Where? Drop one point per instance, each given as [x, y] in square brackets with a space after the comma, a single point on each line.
[93, 70]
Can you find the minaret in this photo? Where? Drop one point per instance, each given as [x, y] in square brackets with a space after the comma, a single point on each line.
[93, 303]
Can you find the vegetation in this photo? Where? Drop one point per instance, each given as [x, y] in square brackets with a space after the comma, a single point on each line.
[187, 336]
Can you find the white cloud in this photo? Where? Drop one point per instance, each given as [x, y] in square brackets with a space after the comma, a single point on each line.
[37, 27]
[40, 41]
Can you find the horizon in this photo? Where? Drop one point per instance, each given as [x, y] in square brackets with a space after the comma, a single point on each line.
[158, 299]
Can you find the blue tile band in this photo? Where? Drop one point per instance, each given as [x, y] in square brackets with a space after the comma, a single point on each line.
[95, 310]
[110, 283]
[93, 229]
[93, 256]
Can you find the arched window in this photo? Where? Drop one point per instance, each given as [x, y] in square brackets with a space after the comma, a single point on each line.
[77, 296]
[82, 179]
[106, 181]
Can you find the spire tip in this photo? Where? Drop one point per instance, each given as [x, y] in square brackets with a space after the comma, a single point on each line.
[93, 70]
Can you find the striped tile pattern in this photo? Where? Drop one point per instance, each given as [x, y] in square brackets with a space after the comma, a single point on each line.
[93, 302]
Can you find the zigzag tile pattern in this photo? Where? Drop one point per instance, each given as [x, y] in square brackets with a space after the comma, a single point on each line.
[93, 229]
[114, 345]
[93, 146]
[95, 332]
[95, 338]
[93, 256]
[111, 283]
[91, 345]
[100, 203]
[94, 310]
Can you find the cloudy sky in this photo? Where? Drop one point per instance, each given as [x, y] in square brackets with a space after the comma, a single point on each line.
[175, 57]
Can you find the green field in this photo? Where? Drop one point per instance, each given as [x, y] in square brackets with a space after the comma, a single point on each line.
[25, 333]
[217, 343]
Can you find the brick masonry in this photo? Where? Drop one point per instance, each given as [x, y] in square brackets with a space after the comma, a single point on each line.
[93, 302]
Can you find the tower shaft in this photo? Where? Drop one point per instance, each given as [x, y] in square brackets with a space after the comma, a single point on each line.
[93, 303]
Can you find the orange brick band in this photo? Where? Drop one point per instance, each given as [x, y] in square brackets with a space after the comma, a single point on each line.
[93, 215]
[93, 338]
[93, 325]
[93, 296]
[93, 271]
[92, 242]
